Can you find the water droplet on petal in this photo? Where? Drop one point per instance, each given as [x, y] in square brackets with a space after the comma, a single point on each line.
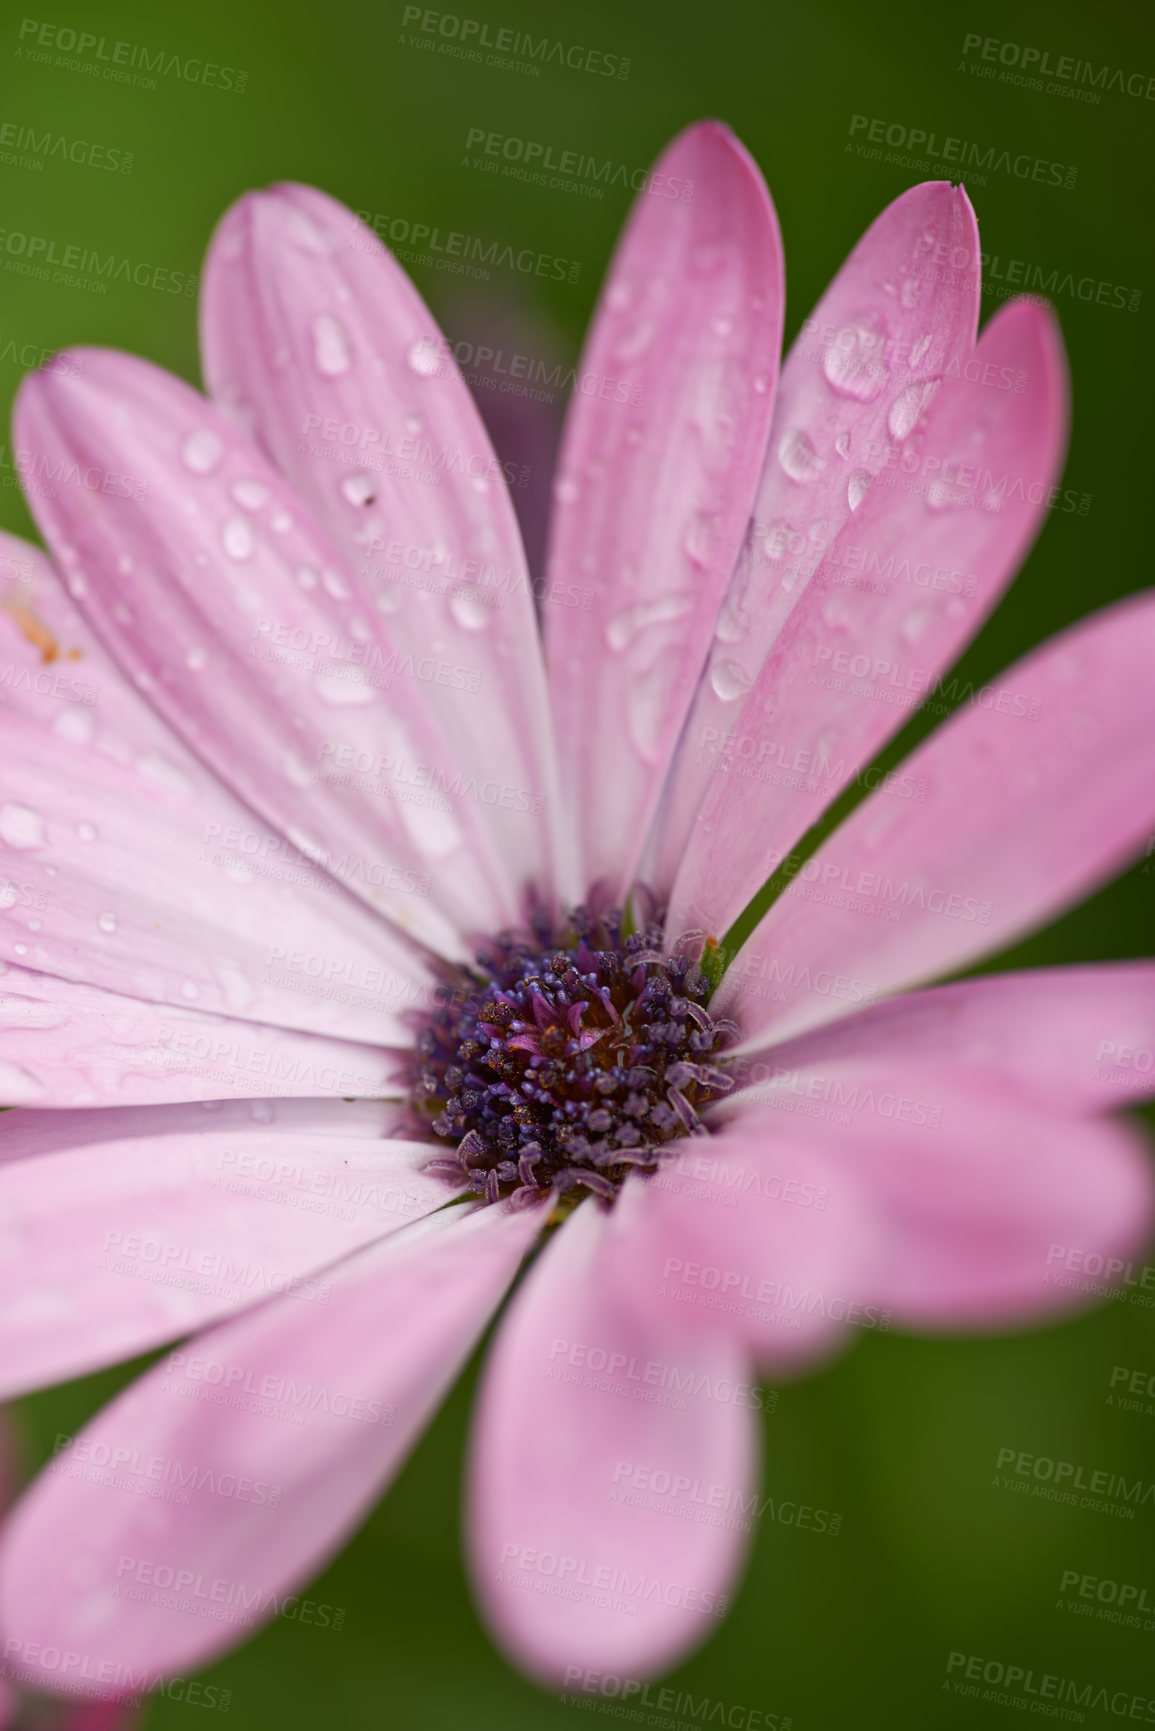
[331, 346]
[335, 584]
[618, 296]
[762, 383]
[77, 584]
[75, 723]
[261, 1111]
[634, 344]
[910, 291]
[798, 457]
[908, 408]
[107, 922]
[729, 680]
[201, 451]
[280, 521]
[853, 362]
[359, 489]
[566, 490]
[918, 349]
[422, 358]
[86, 831]
[842, 445]
[306, 577]
[196, 657]
[413, 423]
[915, 623]
[21, 826]
[624, 627]
[723, 325]
[237, 538]
[468, 610]
[857, 487]
[190, 989]
[251, 495]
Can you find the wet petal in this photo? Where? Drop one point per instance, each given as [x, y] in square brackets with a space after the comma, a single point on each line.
[899, 316]
[1034, 795]
[317, 343]
[656, 480]
[231, 610]
[321, 1406]
[111, 1247]
[579, 1392]
[904, 587]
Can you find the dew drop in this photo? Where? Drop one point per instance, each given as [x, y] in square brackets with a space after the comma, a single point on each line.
[335, 584]
[908, 408]
[237, 538]
[910, 291]
[624, 627]
[918, 349]
[250, 495]
[75, 723]
[261, 1111]
[618, 296]
[762, 383]
[330, 346]
[190, 989]
[280, 521]
[729, 680]
[723, 325]
[798, 456]
[306, 577]
[359, 489]
[77, 584]
[842, 445]
[196, 657]
[86, 831]
[422, 358]
[915, 624]
[413, 423]
[857, 487]
[853, 362]
[21, 826]
[107, 922]
[201, 451]
[634, 343]
[566, 490]
[468, 611]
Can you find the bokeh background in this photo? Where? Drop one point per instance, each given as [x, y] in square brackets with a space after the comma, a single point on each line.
[901, 1436]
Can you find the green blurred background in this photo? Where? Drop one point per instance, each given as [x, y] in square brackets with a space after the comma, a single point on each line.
[900, 1436]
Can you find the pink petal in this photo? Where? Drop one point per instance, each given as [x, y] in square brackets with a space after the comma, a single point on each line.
[267, 1499]
[755, 1232]
[976, 1213]
[316, 341]
[115, 1246]
[656, 479]
[899, 316]
[1076, 1039]
[71, 1045]
[860, 652]
[572, 1570]
[125, 863]
[235, 615]
[1033, 796]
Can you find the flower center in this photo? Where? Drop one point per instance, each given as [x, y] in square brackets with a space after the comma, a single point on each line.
[563, 1061]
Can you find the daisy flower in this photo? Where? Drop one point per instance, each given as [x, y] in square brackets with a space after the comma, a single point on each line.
[364, 940]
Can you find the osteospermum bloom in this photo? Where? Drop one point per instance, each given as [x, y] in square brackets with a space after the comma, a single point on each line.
[296, 808]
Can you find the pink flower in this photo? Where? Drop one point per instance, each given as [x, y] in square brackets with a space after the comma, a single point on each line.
[280, 761]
